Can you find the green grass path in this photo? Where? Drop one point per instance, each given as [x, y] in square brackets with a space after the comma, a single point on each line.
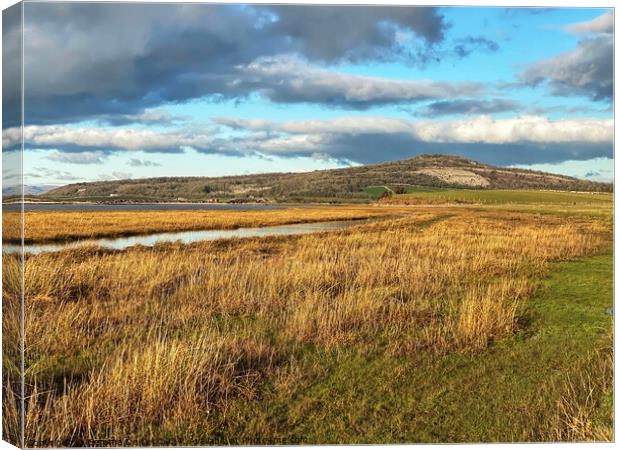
[507, 393]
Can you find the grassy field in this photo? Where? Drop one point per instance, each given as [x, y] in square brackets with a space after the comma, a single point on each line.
[499, 196]
[447, 324]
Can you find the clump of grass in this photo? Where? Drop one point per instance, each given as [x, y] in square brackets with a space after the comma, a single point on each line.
[489, 312]
[11, 403]
[578, 415]
[164, 383]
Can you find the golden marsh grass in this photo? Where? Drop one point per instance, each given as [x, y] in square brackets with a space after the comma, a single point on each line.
[131, 346]
[52, 225]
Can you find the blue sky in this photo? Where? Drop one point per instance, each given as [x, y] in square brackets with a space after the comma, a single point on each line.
[129, 91]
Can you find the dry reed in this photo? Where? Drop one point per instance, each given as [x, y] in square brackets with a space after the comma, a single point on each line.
[147, 341]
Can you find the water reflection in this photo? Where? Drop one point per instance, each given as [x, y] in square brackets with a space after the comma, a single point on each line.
[188, 237]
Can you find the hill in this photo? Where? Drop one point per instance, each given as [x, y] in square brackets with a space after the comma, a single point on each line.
[27, 190]
[361, 183]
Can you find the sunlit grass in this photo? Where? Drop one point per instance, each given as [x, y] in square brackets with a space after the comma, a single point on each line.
[158, 345]
[55, 225]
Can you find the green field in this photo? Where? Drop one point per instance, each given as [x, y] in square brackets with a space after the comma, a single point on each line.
[500, 196]
[377, 191]
[398, 189]
[502, 394]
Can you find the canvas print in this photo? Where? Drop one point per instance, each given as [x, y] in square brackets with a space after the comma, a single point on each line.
[245, 224]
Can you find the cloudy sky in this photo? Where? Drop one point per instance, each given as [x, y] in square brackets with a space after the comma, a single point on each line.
[120, 90]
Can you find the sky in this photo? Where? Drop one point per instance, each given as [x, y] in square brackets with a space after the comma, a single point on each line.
[115, 91]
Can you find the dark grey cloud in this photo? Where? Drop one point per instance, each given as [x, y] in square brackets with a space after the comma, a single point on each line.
[468, 106]
[335, 33]
[585, 71]
[465, 46]
[98, 60]
[368, 148]
[539, 110]
[372, 148]
[90, 60]
[11, 66]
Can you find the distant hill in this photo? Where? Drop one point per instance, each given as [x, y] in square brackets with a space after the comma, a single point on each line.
[361, 183]
[27, 190]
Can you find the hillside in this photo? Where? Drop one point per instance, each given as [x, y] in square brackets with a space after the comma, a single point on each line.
[360, 183]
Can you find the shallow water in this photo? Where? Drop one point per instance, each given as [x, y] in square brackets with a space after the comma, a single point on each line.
[188, 237]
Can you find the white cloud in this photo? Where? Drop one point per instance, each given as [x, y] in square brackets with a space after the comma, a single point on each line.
[96, 138]
[77, 158]
[158, 116]
[368, 124]
[538, 129]
[603, 24]
[136, 162]
[271, 136]
[121, 175]
[366, 139]
[288, 79]
[481, 129]
[525, 139]
[58, 175]
[115, 175]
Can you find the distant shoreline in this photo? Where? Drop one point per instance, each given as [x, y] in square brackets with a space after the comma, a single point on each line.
[159, 206]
